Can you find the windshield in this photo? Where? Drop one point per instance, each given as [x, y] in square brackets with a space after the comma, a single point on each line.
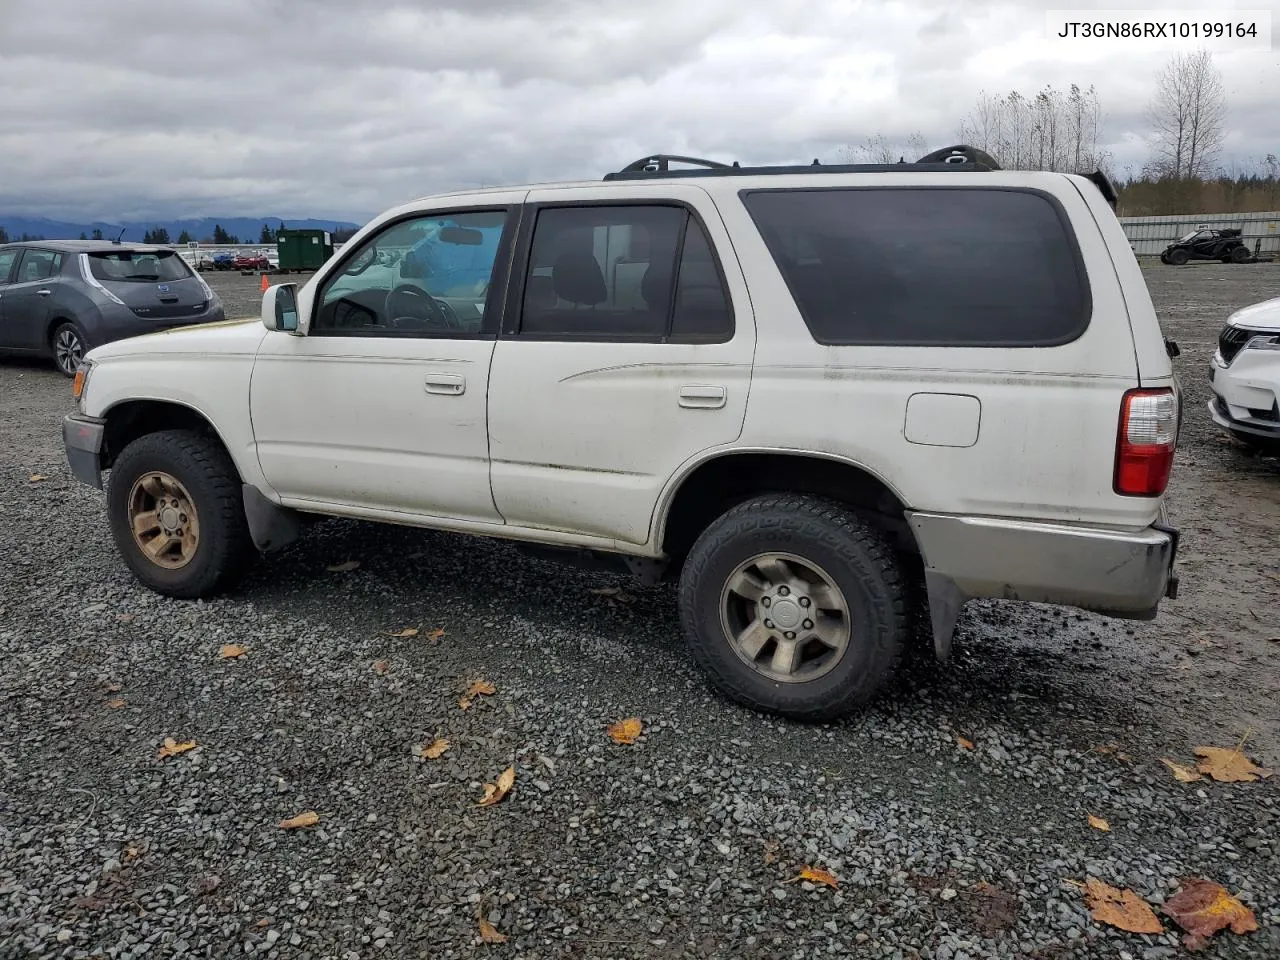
[136, 266]
[1190, 236]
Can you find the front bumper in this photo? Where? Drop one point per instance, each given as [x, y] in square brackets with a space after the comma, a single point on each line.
[1121, 573]
[1252, 426]
[82, 437]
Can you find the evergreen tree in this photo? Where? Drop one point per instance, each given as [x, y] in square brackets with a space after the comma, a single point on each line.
[267, 236]
[184, 238]
[83, 235]
[97, 233]
[4, 235]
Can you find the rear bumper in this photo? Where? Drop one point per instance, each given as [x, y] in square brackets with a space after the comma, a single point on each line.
[82, 437]
[1121, 573]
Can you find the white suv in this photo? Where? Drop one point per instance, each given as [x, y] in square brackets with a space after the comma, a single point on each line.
[1245, 376]
[802, 392]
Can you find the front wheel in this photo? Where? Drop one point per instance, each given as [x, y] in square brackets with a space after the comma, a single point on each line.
[68, 348]
[793, 605]
[1178, 257]
[1239, 254]
[176, 511]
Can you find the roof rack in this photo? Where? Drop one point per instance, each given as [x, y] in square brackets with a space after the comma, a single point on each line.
[959, 159]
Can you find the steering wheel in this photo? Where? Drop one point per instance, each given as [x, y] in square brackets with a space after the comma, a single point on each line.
[411, 307]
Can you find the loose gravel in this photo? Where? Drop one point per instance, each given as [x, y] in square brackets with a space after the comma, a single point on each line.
[682, 845]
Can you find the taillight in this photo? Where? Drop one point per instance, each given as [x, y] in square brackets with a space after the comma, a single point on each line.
[1148, 436]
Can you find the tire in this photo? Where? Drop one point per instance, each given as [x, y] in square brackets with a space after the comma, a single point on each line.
[1178, 257]
[203, 479]
[67, 344]
[826, 542]
[1239, 254]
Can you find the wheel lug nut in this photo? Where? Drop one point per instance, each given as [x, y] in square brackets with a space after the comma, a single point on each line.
[805, 601]
[791, 634]
[784, 591]
[768, 624]
[808, 624]
[766, 601]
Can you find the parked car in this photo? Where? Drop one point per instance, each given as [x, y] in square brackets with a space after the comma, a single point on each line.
[61, 298]
[825, 401]
[223, 261]
[1244, 375]
[251, 261]
[1224, 245]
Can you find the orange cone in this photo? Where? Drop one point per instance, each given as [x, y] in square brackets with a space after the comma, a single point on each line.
[265, 284]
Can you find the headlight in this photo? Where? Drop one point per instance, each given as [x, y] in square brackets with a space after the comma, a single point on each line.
[80, 388]
[1264, 343]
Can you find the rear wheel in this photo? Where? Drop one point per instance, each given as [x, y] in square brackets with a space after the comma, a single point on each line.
[1178, 257]
[793, 605]
[177, 514]
[68, 348]
[1239, 254]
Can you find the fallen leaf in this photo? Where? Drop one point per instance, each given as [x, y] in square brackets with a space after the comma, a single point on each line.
[1202, 908]
[434, 750]
[126, 617]
[771, 851]
[489, 933]
[230, 651]
[344, 567]
[1228, 766]
[112, 688]
[308, 818]
[479, 688]
[380, 666]
[964, 742]
[406, 632]
[117, 703]
[131, 852]
[37, 478]
[494, 792]
[1122, 909]
[1099, 824]
[1184, 774]
[436, 634]
[1113, 750]
[171, 748]
[816, 875]
[626, 731]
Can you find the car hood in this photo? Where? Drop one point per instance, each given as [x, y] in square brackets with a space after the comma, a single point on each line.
[1258, 316]
[225, 337]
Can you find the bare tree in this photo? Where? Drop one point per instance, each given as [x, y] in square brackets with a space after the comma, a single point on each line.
[1048, 131]
[882, 149]
[1188, 115]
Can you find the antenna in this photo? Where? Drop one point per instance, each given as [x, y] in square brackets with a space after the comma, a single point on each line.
[116, 241]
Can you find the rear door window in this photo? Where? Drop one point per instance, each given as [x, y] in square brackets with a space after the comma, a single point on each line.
[7, 259]
[927, 266]
[38, 265]
[135, 266]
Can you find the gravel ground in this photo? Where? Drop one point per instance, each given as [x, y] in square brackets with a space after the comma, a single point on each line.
[678, 846]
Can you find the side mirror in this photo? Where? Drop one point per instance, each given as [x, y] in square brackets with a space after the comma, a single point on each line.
[280, 307]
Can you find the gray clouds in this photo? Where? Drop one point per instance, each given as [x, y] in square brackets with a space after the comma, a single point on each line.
[344, 107]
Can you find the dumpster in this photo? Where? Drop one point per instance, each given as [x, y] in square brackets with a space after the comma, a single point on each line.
[303, 249]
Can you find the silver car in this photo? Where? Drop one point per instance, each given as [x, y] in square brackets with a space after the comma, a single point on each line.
[61, 298]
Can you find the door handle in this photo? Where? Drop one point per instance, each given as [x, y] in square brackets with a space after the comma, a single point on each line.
[704, 396]
[43, 293]
[449, 384]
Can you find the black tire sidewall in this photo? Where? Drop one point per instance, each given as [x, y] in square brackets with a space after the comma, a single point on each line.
[159, 451]
[1178, 257]
[867, 578]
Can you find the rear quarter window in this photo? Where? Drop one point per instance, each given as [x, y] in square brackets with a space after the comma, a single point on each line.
[928, 266]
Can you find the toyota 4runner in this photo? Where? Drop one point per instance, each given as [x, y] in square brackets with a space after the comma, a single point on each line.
[822, 399]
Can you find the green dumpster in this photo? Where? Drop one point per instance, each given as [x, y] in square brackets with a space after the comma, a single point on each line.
[303, 249]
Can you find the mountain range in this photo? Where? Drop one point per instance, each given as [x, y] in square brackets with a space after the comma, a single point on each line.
[247, 229]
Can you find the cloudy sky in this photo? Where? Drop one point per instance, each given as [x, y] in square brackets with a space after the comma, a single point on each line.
[341, 108]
